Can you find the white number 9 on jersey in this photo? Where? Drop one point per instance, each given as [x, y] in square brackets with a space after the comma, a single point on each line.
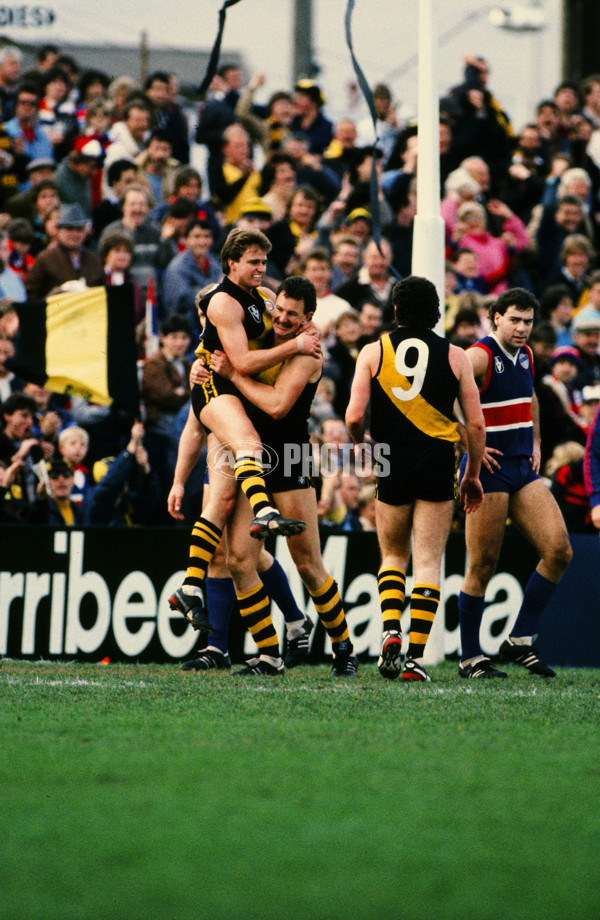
[416, 371]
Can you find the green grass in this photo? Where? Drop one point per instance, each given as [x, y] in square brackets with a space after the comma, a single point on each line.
[145, 792]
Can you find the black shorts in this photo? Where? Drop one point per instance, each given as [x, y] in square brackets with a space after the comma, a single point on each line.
[215, 386]
[288, 466]
[420, 471]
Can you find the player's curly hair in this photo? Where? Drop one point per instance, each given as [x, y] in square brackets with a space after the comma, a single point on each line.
[298, 288]
[238, 241]
[416, 302]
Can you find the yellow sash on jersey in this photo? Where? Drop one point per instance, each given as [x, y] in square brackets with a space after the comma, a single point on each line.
[269, 376]
[422, 414]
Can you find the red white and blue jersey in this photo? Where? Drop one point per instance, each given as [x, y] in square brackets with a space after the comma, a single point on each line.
[591, 462]
[506, 398]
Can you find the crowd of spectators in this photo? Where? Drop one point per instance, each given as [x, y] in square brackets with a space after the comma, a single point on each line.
[99, 185]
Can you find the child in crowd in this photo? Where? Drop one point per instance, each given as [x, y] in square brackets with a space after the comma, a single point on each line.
[45, 198]
[73, 446]
[451, 305]
[468, 276]
[116, 252]
[21, 238]
[564, 364]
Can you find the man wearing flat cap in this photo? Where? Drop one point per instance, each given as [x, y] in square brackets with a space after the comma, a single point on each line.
[585, 331]
[68, 260]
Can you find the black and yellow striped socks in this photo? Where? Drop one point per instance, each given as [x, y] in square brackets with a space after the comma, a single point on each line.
[204, 541]
[328, 605]
[391, 584]
[248, 473]
[424, 602]
[254, 608]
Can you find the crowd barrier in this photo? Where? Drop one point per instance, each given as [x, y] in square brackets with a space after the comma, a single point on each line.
[91, 593]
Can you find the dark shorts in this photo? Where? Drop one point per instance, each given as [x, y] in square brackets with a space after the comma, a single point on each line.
[426, 473]
[287, 466]
[215, 386]
[514, 473]
[282, 476]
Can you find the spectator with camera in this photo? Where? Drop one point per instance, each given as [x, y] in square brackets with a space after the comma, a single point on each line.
[21, 461]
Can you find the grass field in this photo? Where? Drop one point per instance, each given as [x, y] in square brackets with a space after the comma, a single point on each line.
[146, 792]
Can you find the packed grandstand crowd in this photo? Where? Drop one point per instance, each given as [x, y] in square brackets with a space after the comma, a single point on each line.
[100, 184]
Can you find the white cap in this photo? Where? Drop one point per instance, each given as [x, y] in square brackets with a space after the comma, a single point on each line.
[591, 393]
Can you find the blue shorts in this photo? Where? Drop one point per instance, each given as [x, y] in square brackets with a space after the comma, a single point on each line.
[514, 473]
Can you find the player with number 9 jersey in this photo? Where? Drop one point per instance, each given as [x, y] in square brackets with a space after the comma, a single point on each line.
[412, 378]
[412, 411]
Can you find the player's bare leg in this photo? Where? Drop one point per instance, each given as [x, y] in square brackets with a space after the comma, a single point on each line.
[536, 513]
[190, 598]
[305, 550]
[226, 417]
[220, 601]
[484, 532]
[253, 600]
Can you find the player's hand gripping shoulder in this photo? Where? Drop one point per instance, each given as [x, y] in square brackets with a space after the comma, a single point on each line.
[308, 342]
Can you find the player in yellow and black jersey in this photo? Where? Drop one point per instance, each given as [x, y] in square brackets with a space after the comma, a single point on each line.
[415, 419]
[412, 378]
[238, 319]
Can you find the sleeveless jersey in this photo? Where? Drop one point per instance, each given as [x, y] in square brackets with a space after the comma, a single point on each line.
[293, 427]
[413, 392]
[506, 398]
[257, 322]
[287, 453]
